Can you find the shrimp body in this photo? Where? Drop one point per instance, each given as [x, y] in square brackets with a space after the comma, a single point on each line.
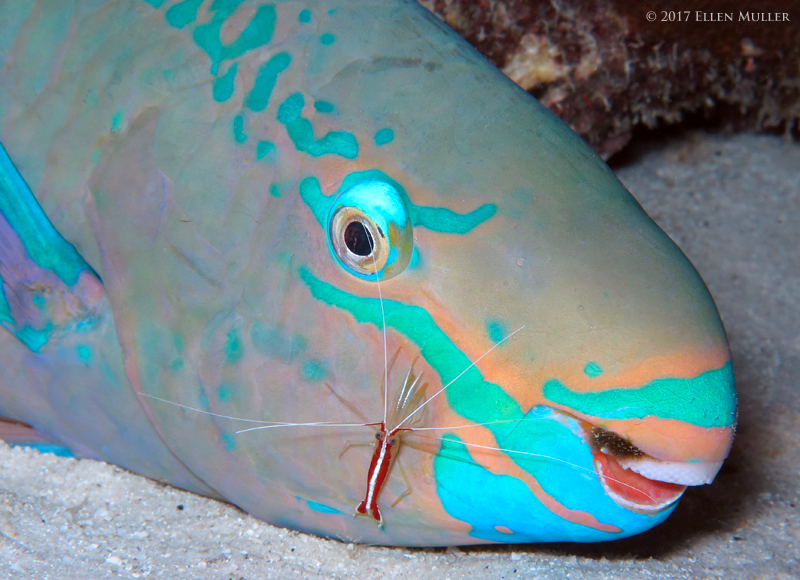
[385, 453]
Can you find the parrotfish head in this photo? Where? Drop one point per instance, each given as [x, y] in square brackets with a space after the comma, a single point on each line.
[401, 212]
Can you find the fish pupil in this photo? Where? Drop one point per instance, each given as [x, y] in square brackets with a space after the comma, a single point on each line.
[358, 239]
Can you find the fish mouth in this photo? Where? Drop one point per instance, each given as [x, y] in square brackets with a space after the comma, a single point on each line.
[639, 482]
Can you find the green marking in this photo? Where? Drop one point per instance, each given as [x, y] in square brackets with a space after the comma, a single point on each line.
[327, 39]
[183, 13]
[304, 16]
[224, 85]
[225, 392]
[313, 371]
[6, 319]
[256, 34]
[263, 148]
[711, 390]
[384, 136]
[233, 347]
[319, 203]
[323, 107]
[273, 190]
[436, 219]
[322, 508]
[91, 98]
[471, 396]
[179, 342]
[496, 330]
[42, 242]
[96, 155]
[229, 441]
[258, 98]
[274, 342]
[177, 364]
[440, 219]
[238, 129]
[116, 122]
[301, 132]
[84, 352]
[416, 260]
[592, 369]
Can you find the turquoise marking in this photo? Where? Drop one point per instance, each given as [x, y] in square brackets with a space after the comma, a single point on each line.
[116, 122]
[384, 136]
[225, 392]
[484, 500]
[256, 34]
[203, 401]
[5, 310]
[327, 39]
[183, 13]
[177, 364]
[304, 16]
[39, 301]
[711, 390]
[96, 156]
[263, 148]
[273, 190]
[224, 85]
[35, 339]
[462, 485]
[46, 447]
[288, 349]
[43, 244]
[258, 98]
[274, 342]
[84, 352]
[592, 369]
[238, 129]
[471, 396]
[229, 441]
[178, 340]
[322, 508]
[416, 260]
[440, 219]
[435, 219]
[155, 3]
[313, 371]
[312, 195]
[323, 107]
[496, 330]
[233, 347]
[302, 133]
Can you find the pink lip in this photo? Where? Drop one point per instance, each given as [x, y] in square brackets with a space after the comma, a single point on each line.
[632, 490]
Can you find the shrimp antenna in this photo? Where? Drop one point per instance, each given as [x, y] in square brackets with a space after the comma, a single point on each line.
[476, 361]
[263, 424]
[383, 322]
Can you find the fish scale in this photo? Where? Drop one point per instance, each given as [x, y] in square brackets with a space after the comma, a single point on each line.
[176, 187]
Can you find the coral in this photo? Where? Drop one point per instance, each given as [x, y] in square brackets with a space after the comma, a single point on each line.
[605, 68]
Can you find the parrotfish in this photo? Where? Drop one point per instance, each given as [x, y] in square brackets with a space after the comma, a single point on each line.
[321, 260]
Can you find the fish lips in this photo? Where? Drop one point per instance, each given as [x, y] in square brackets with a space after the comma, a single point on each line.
[639, 482]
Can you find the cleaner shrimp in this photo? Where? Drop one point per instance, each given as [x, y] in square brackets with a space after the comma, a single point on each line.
[399, 419]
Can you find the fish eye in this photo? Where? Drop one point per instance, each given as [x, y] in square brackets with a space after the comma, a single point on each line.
[393, 441]
[379, 436]
[370, 230]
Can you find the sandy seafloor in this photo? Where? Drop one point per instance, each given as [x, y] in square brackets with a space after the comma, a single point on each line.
[732, 202]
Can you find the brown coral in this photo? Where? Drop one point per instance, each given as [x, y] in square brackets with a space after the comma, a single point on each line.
[606, 68]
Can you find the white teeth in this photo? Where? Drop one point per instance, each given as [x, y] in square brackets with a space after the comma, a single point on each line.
[679, 472]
